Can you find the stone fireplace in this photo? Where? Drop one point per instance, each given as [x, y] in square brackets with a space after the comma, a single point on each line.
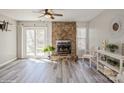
[64, 38]
[63, 47]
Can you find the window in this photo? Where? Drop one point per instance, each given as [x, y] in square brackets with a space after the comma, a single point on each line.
[81, 40]
[30, 41]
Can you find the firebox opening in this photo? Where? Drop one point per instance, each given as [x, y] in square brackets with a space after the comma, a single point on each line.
[63, 46]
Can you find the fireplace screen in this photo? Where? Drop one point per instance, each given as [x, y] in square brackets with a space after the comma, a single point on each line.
[63, 46]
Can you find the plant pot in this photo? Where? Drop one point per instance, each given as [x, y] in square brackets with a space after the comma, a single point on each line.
[49, 57]
[112, 50]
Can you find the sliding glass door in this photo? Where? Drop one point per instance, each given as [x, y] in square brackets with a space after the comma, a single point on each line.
[40, 41]
[35, 41]
[30, 42]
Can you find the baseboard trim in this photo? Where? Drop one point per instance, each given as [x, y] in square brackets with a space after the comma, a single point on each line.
[7, 62]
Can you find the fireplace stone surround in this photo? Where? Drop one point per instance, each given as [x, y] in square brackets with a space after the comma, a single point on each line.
[64, 31]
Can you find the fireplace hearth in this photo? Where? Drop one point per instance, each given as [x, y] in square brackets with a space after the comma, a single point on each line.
[63, 47]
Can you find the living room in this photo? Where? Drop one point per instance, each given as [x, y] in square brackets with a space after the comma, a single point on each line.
[61, 45]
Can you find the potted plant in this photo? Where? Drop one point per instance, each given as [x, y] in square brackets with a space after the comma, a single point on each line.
[49, 49]
[112, 47]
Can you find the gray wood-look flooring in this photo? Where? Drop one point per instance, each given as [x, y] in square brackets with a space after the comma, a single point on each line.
[45, 71]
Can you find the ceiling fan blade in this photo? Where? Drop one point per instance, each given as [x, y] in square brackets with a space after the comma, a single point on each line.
[52, 17]
[46, 10]
[57, 14]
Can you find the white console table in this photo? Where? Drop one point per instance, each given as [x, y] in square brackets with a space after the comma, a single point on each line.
[116, 69]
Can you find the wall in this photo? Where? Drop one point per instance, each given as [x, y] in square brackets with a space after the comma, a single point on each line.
[100, 28]
[21, 34]
[64, 31]
[8, 41]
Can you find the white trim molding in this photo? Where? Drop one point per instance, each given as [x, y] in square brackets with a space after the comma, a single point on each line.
[7, 62]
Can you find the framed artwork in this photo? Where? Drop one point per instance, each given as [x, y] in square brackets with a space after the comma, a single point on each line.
[116, 26]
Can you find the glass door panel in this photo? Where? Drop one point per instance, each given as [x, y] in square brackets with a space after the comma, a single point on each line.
[40, 41]
[35, 41]
[30, 42]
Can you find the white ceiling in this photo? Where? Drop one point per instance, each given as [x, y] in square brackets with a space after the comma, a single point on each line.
[68, 14]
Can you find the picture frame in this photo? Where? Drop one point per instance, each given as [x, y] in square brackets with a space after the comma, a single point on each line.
[116, 26]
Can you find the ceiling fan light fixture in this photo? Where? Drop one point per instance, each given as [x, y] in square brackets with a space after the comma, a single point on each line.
[47, 16]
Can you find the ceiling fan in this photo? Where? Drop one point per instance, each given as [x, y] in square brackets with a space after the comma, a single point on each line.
[48, 13]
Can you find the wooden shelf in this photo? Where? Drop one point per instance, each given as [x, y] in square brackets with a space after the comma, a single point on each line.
[111, 77]
[116, 56]
[109, 66]
[112, 71]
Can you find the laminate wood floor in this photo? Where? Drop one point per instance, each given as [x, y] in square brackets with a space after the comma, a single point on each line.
[45, 71]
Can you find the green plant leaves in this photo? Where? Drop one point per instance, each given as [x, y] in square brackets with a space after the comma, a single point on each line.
[48, 49]
[112, 47]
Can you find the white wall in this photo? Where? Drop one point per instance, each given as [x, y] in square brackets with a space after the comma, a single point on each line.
[100, 28]
[22, 24]
[7, 41]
